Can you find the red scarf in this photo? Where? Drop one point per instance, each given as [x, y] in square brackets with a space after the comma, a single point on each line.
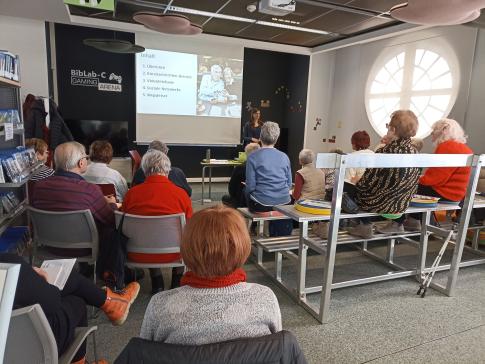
[193, 280]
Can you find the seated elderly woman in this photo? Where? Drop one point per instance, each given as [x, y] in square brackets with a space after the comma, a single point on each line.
[268, 173]
[156, 196]
[360, 144]
[215, 303]
[42, 153]
[309, 180]
[236, 196]
[448, 183]
[101, 154]
[388, 190]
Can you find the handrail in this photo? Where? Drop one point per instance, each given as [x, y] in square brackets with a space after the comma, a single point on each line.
[382, 160]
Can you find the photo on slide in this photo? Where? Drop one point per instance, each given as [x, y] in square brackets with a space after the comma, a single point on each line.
[219, 85]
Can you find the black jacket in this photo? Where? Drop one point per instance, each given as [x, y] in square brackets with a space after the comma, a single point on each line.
[236, 187]
[176, 175]
[279, 348]
[58, 131]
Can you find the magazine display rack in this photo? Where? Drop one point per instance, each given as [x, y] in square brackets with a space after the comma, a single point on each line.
[16, 163]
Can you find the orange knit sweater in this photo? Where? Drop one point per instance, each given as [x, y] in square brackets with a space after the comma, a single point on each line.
[449, 182]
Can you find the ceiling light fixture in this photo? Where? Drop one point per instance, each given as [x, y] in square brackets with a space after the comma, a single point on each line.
[438, 12]
[113, 45]
[167, 23]
[179, 9]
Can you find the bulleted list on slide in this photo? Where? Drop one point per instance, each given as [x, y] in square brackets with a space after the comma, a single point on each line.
[166, 83]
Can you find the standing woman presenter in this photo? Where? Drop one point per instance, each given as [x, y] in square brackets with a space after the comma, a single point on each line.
[252, 129]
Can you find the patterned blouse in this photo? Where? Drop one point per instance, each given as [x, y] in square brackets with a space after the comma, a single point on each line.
[389, 190]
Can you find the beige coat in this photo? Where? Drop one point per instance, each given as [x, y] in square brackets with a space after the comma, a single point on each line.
[313, 182]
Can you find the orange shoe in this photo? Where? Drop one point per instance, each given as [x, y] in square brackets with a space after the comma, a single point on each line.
[117, 305]
[83, 361]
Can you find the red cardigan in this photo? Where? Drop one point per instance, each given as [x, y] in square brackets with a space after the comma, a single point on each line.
[156, 196]
[449, 182]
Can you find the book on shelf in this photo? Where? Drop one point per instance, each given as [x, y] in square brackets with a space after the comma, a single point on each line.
[9, 66]
[58, 271]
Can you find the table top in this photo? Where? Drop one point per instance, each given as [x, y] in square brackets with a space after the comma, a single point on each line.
[221, 162]
[290, 211]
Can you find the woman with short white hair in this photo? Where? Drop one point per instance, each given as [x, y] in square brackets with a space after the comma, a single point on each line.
[157, 196]
[447, 183]
[268, 173]
[309, 181]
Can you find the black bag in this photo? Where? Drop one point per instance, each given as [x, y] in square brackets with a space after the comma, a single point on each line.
[280, 227]
[112, 258]
[348, 204]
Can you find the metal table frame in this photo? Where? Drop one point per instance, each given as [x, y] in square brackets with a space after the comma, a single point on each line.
[328, 250]
[209, 166]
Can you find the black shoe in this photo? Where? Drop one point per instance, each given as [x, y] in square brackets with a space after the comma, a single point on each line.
[86, 270]
[157, 284]
[176, 280]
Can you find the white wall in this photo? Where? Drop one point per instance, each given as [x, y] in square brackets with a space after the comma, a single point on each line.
[475, 116]
[320, 84]
[26, 38]
[352, 68]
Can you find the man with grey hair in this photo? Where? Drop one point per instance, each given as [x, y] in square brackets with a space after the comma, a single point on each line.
[268, 173]
[309, 181]
[176, 175]
[154, 197]
[67, 190]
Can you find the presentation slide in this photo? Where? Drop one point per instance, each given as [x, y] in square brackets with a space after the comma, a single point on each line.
[173, 83]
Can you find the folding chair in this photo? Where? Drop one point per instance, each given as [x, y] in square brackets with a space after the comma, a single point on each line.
[65, 230]
[135, 161]
[30, 339]
[152, 235]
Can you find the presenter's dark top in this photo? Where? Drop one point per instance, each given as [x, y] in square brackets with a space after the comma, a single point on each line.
[176, 175]
[250, 132]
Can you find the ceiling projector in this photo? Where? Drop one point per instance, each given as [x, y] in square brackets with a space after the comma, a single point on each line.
[277, 7]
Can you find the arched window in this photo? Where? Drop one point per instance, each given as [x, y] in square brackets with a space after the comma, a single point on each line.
[422, 79]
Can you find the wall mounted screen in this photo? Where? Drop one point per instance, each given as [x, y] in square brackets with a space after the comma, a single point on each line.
[187, 98]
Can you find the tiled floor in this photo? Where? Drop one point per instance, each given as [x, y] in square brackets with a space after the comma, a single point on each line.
[376, 323]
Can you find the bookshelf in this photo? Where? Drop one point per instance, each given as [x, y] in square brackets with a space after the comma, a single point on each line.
[10, 99]
[5, 82]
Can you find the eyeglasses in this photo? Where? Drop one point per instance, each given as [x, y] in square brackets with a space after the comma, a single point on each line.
[85, 157]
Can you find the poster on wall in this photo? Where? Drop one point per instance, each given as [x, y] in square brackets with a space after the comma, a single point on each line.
[96, 89]
[92, 84]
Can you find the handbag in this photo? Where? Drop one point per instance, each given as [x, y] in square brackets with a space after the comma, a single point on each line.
[348, 204]
[112, 258]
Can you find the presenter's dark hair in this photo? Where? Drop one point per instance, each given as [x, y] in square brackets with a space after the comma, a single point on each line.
[101, 151]
[253, 111]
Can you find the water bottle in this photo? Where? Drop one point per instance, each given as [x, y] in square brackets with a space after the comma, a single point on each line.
[207, 155]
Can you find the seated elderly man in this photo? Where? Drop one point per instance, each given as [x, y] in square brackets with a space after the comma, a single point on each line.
[157, 196]
[176, 175]
[309, 180]
[67, 190]
[268, 173]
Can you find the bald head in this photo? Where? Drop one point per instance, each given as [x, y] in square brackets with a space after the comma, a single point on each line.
[71, 156]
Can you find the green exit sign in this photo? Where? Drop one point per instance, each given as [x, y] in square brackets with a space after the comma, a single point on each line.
[95, 4]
